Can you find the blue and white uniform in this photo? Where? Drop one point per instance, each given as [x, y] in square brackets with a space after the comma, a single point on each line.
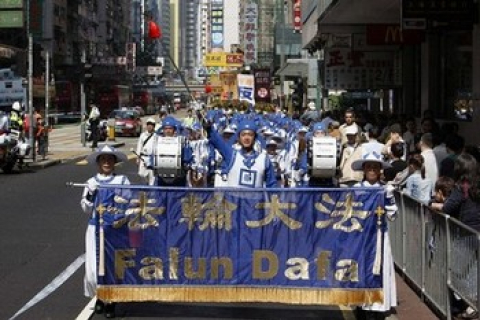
[90, 279]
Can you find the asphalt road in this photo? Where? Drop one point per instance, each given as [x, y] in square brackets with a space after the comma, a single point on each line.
[42, 246]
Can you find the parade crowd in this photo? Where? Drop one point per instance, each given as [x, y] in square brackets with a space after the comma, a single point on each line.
[218, 148]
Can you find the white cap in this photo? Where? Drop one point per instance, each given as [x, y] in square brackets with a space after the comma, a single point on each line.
[228, 130]
[303, 129]
[352, 129]
[311, 105]
[150, 120]
[272, 142]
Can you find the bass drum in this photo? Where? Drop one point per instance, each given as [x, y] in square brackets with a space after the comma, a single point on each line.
[167, 157]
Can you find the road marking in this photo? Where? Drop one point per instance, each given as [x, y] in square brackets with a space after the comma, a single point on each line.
[88, 311]
[52, 286]
[83, 162]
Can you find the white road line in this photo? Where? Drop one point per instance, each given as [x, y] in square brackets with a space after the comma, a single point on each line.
[88, 311]
[52, 286]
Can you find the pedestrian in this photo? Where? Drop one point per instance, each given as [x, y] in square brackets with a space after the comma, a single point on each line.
[94, 120]
[41, 137]
[105, 159]
[371, 163]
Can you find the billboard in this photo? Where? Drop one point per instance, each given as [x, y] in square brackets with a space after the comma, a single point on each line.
[223, 59]
[217, 36]
[250, 24]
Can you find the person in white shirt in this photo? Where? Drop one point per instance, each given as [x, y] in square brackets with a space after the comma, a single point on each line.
[145, 148]
[430, 161]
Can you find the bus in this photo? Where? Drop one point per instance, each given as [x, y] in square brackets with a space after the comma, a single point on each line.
[11, 89]
[144, 98]
[108, 98]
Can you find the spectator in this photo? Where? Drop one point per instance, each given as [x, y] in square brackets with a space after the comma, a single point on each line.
[349, 122]
[409, 136]
[418, 185]
[430, 162]
[397, 163]
[455, 145]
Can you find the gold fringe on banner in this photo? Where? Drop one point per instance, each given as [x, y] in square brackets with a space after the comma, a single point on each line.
[303, 296]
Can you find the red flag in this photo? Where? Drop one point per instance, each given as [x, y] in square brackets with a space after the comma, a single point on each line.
[154, 31]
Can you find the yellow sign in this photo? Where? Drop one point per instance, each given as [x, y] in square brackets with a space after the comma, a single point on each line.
[223, 59]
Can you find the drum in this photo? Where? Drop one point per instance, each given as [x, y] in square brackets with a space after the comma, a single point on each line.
[167, 160]
[323, 162]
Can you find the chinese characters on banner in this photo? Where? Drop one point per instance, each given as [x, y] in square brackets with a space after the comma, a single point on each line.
[297, 16]
[347, 69]
[277, 246]
[250, 33]
[262, 85]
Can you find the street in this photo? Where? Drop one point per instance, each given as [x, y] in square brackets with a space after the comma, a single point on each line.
[42, 245]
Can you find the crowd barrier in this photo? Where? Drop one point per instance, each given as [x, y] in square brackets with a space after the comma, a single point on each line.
[436, 253]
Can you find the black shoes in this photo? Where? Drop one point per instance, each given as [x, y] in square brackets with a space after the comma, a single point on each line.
[99, 306]
[109, 311]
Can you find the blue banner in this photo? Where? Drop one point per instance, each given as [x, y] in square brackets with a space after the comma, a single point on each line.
[312, 246]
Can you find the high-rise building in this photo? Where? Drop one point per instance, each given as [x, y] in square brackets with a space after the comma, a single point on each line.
[188, 15]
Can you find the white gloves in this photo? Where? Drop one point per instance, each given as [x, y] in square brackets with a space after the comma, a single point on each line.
[389, 190]
[92, 186]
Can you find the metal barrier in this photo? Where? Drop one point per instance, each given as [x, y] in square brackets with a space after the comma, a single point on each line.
[436, 253]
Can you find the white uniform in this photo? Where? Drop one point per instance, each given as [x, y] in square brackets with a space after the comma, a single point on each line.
[144, 149]
[90, 279]
[242, 176]
[388, 270]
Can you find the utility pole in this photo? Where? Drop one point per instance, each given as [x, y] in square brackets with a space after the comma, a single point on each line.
[30, 86]
[82, 99]
[282, 55]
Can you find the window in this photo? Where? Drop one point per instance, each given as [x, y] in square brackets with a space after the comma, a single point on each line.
[457, 76]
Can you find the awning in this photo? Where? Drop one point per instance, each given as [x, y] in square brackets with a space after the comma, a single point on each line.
[294, 68]
[354, 12]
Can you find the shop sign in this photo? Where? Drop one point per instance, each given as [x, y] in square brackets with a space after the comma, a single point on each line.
[348, 70]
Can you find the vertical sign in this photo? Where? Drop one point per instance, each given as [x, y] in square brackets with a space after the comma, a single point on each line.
[262, 85]
[246, 88]
[217, 38]
[250, 33]
[297, 16]
[36, 19]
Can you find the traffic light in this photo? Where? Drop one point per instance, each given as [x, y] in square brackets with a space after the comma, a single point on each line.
[297, 94]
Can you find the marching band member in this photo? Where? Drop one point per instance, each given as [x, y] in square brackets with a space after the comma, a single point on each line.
[372, 165]
[105, 159]
[198, 173]
[144, 148]
[246, 167]
[170, 156]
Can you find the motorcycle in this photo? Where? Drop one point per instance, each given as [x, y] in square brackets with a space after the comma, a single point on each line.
[12, 152]
[102, 131]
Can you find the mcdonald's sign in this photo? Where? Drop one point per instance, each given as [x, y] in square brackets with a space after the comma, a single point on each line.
[393, 34]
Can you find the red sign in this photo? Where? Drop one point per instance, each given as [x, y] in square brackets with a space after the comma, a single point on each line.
[392, 34]
[262, 85]
[235, 58]
[297, 15]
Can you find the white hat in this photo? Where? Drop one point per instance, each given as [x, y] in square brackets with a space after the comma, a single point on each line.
[106, 149]
[150, 120]
[352, 129]
[311, 105]
[16, 106]
[369, 155]
[303, 129]
[272, 142]
[228, 129]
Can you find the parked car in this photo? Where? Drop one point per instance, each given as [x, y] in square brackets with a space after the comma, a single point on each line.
[127, 122]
